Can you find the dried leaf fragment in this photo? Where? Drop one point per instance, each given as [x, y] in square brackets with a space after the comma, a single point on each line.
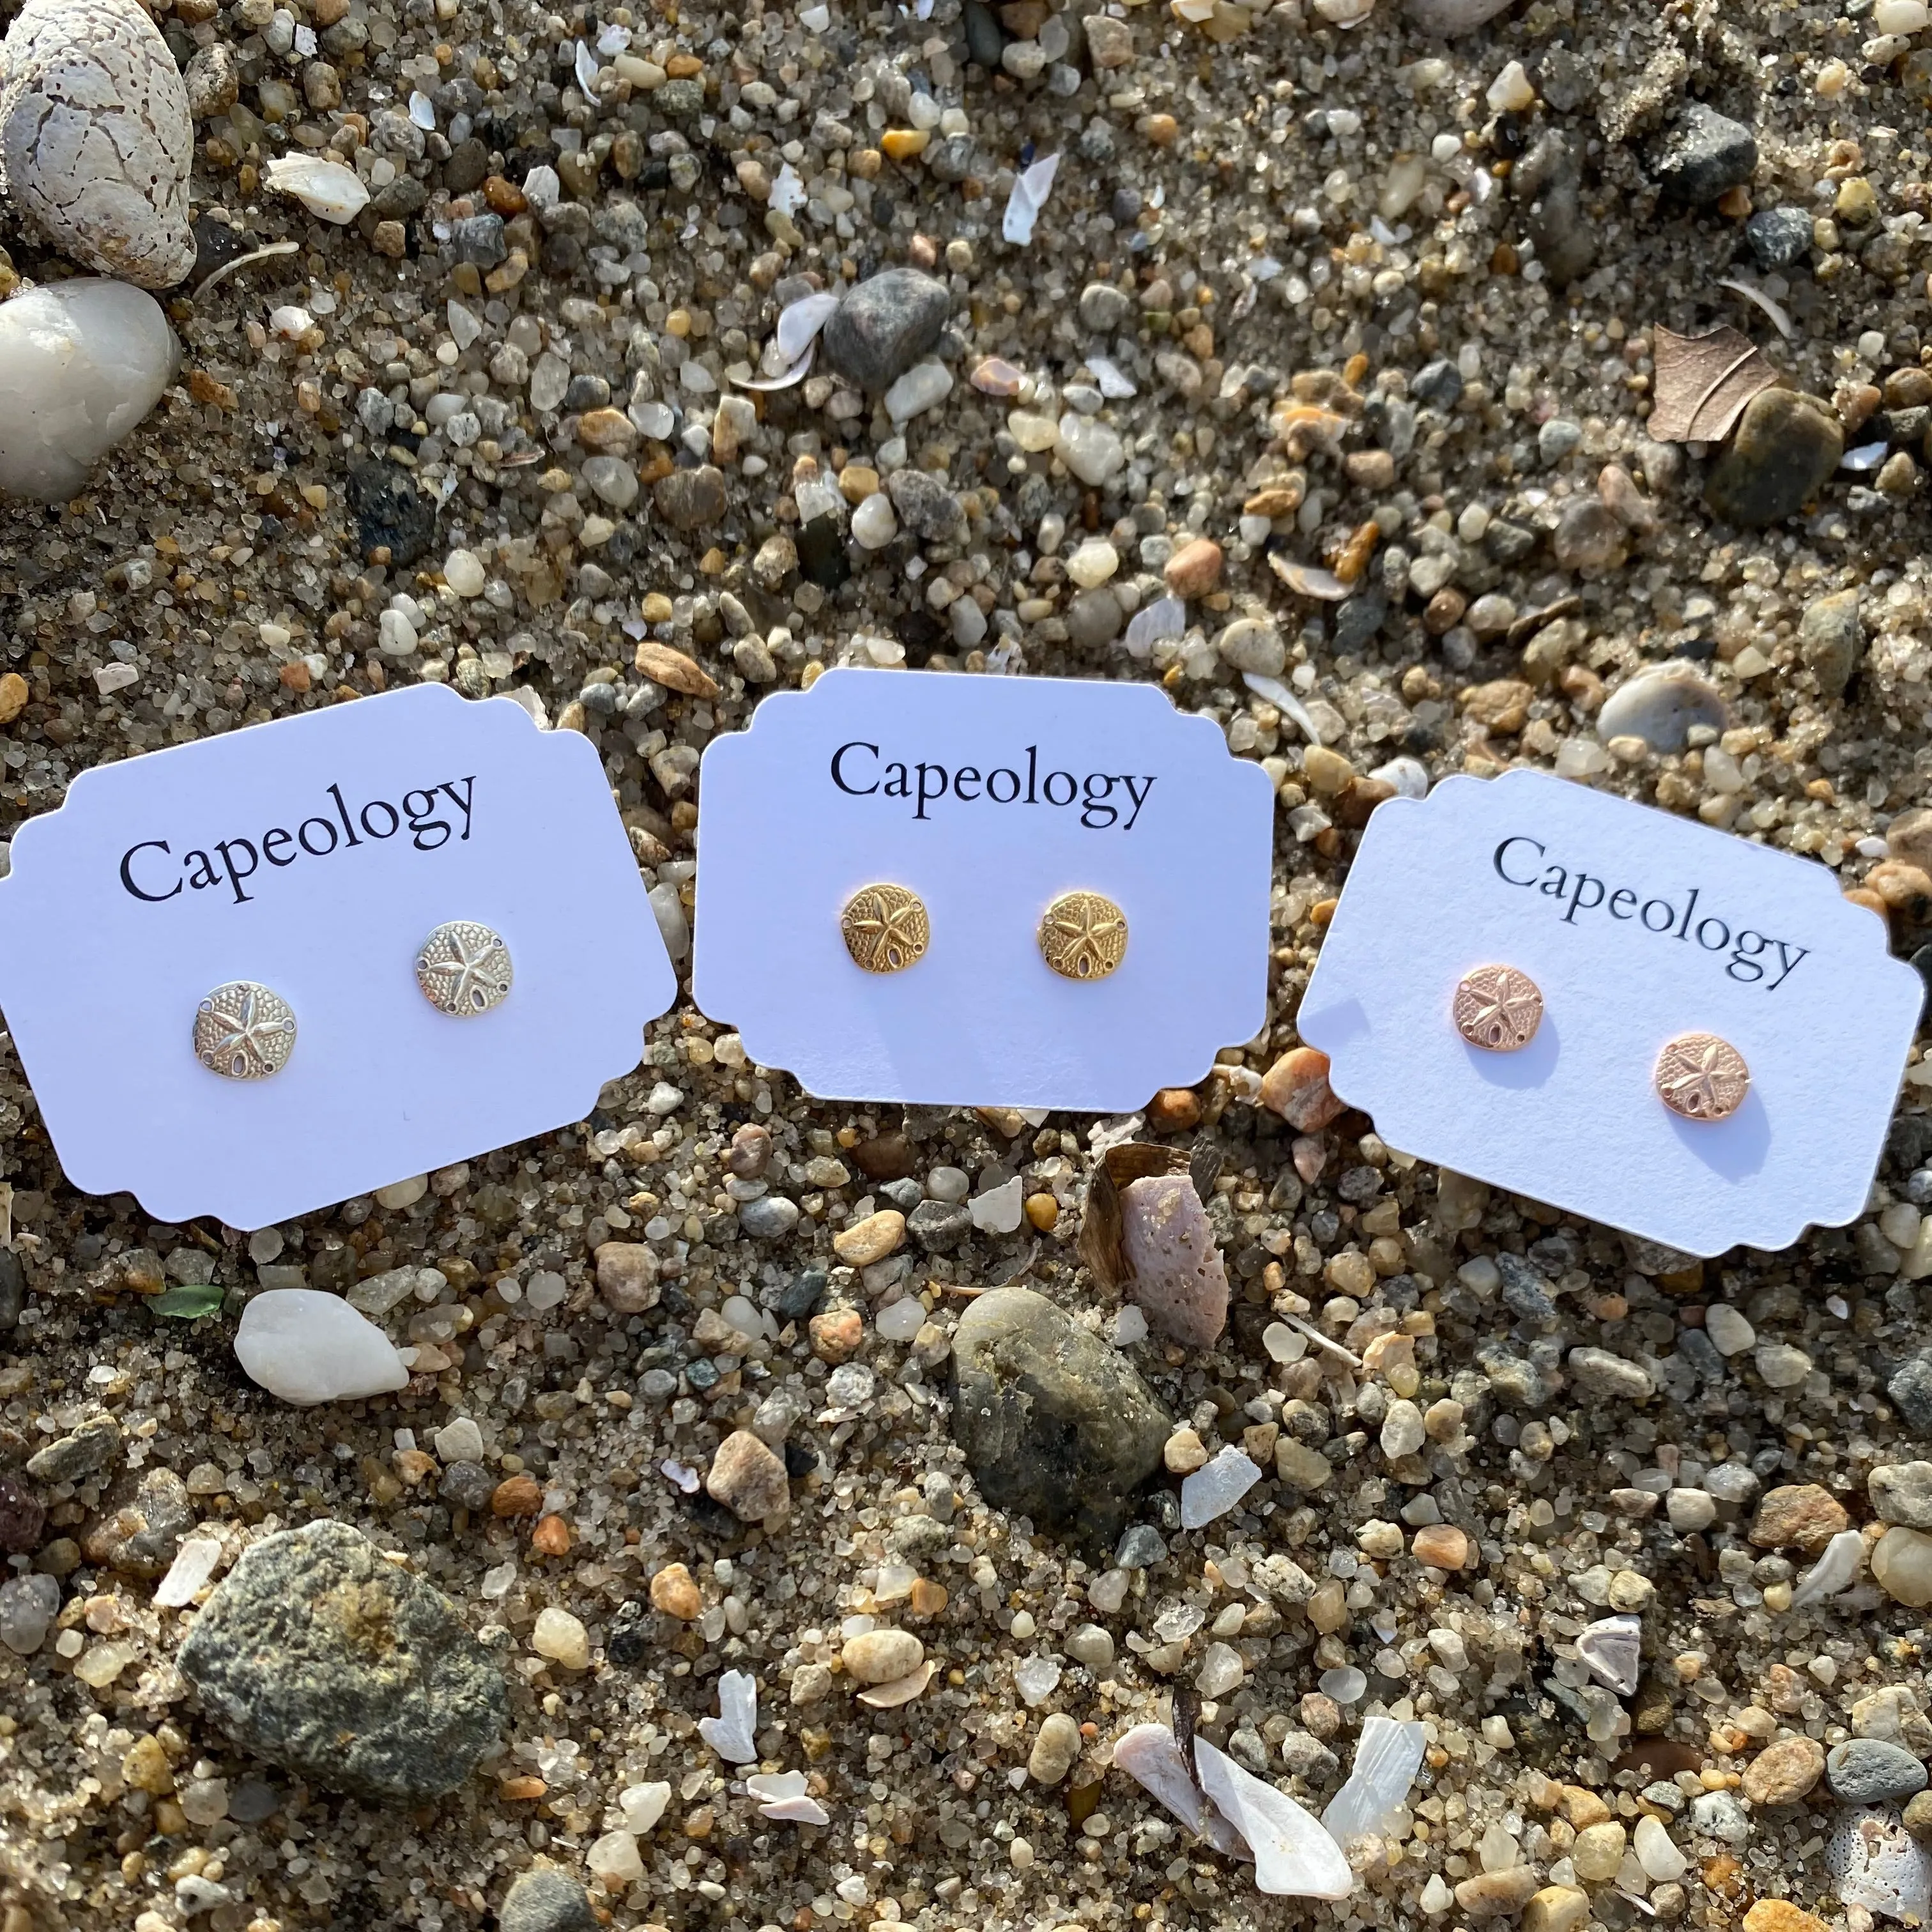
[1703, 382]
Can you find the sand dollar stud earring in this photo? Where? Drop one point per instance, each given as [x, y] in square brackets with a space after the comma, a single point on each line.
[1083, 935]
[1498, 1008]
[885, 928]
[464, 969]
[243, 1031]
[1701, 1077]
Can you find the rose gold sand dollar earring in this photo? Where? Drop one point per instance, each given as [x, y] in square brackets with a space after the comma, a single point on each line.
[1701, 1077]
[464, 969]
[886, 929]
[1083, 935]
[242, 1031]
[1498, 1008]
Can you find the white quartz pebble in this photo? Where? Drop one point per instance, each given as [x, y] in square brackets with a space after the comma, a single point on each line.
[999, 1210]
[874, 523]
[81, 363]
[307, 1346]
[1387, 1759]
[643, 1805]
[1663, 1863]
[1213, 1490]
[194, 1564]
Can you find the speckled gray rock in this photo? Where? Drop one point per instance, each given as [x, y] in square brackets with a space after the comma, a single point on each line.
[96, 138]
[1910, 1389]
[319, 1654]
[1867, 1771]
[1702, 154]
[1902, 1492]
[1779, 238]
[884, 325]
[546, 1900]
[1055, 1424]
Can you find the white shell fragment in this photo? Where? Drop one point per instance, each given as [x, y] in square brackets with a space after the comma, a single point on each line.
[1612, 1648]
[781, 1795]
[1149, 1755]
[308, 1346]
[81, 363]
[1387, 1759]
[1295, 1857]
[1879, 1864]
[1031, 190]
[787, 195]
[96, 139]
[900, 1691]
[1836, 1569]
[326, 189]
[730, 1733]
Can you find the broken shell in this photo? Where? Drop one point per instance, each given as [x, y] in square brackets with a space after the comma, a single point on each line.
[1662, 704]
[1612, 1648]
[800, 322]
[1309, 580]
[1100, 1249]
[96, 138]
[900, 1691]
[327, 189]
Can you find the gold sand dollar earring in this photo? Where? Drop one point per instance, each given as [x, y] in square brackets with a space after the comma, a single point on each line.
[1083, 935]
[464, 969]
[1498, 1008]
[885, 928]
[1701, 1077]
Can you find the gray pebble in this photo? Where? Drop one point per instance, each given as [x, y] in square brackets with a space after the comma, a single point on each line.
[1867, 1771]
[884, 325]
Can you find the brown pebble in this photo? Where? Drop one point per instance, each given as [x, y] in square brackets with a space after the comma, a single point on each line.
[1442, 1546]
[14, 695]
[610, 432]
[748, 1478]
[1799, 1515]
[517, 1495]
[627, 1276]
[884, 1157]
[551, 1536]
[1174, 1110]
[1782, 1773]
[1501, 705]
[1195, 568]
[390, 239]
[870, 1240]
[674, 670]
[1043, 1213]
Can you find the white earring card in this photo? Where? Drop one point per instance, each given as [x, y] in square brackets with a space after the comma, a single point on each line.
[314, 856]
[1637, 926]
[988, 798]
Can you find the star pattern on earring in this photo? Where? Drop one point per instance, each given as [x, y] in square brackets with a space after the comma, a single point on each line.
[887, 929]
[1701, 1077]
[243, 1032]
[1498, 1008]
[1083, 935]
[464, 969]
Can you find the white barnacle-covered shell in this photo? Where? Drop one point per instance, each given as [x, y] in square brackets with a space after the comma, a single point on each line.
[96, 139]
[325, 188]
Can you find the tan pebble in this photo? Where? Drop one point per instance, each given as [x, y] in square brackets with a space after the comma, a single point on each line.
[522, 1790]
[1598, 1851]
[609, 432]
[1185, 1452]
[1780, 1915]
[927, 1597]
[390, 239]
[1497, 1894]
[562, 1638]
[1583, 1808]
[905, 144]
[551, 1536]
[627, 1276]
[1327, 772]
[1053, 1750]
[870, 1240]
[1801, 1516]
[1043, 1213]
[146, 1767]
[1299, 1466]
[674, 670]
[1556, 1908]
[673, 1592]
[858, 480]
[1442, 1546]
[13, 696]
[836, 1334]
[748, 1478]
[1372, 469]
[1195, 568]
[882, 1656]
[1501, 705]
[1904, 887]
[1782, 1773]
[1296, 1086]
[1901, 1565]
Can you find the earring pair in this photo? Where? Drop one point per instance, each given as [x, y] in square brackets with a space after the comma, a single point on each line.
[244, 1031]
[1699, 1076]
[887, 929]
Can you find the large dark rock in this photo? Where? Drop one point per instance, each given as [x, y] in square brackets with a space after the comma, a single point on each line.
[319, 1655]
[1055, 1424]
[1786, 446]
[885, 325]
[391, 513]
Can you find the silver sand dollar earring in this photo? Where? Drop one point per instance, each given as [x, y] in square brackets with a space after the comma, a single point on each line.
[243, 1031]
[464, 969]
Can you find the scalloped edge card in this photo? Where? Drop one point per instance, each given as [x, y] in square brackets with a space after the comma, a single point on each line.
[987, 796]
[313, 856]
[1637, 926]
